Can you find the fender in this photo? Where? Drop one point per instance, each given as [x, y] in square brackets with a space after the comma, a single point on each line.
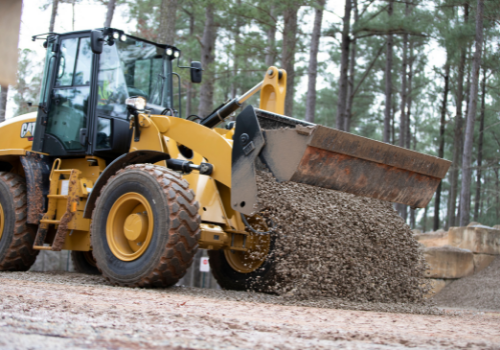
[136, 157]
[37, 169]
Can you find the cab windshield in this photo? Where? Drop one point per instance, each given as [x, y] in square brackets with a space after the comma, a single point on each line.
[132, 68]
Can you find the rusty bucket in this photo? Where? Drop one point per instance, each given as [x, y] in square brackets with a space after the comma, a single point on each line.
[325, 157]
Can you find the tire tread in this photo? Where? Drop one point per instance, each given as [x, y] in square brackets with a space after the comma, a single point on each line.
[20, 255]
[182, 244]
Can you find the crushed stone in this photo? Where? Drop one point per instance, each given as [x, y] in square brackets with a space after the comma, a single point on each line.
[336, 245]
[97, 281]
[480, 291]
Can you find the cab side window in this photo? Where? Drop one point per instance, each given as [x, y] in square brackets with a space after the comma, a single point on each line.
[70, 96]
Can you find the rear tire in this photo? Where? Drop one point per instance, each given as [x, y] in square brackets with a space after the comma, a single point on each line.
[84, 262]
[262, 279]
[16, 236]
[161, 205]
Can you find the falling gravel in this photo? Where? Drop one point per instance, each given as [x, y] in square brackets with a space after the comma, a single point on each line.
[336, 245]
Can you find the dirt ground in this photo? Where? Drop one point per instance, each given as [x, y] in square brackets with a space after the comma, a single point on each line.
[74, 311]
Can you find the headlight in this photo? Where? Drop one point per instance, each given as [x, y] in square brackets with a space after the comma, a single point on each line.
[116, 35]
[168, 52]
[138, 102]
[123, 37]
[176, 54]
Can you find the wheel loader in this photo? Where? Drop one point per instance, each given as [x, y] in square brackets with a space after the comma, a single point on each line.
[110, 168]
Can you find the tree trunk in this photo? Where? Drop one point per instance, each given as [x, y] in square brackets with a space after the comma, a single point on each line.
[471, 118]
[313, 63]
[437, 202]
[413, 218]
[288, 54]
[409, 96]
[110, 13]
[393, 123]
[352, 71]
[271, 41]
[3, 102]
[402, 121]
[497, 192]
[207, 58]
[168, 15]
[404, 69]
[73, 14]
[424, 224]
[189, 89]
[53, 15]
[344, 66]
[480, 149]
[388, 81]
[467, 103]
[457, 141]
[237, 44]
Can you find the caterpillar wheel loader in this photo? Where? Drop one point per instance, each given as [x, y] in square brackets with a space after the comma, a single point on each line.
[109, 168]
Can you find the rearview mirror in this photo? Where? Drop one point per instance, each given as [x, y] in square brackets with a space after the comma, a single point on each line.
[96, 41]
[196, 72]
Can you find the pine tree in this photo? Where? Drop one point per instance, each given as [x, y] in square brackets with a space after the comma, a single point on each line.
[471, 117]
[207, 59]
[344, 66]
[313, 62]
[168, 17]
[109, 13]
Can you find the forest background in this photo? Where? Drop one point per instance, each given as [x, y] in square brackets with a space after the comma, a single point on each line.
[420, 74]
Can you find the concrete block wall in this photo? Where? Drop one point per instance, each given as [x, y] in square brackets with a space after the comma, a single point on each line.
[48, 260]
[460, 252]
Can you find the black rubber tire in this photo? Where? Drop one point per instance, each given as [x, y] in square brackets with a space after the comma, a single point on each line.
[84, 262]
[176, 227]
[16, 243]
[261, 280]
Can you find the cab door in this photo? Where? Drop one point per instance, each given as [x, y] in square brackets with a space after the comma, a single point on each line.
[68, 108]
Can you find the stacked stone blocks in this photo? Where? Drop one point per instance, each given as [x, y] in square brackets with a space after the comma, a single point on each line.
[460, 252]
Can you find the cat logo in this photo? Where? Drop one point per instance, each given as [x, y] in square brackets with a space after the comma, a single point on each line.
[28, 130]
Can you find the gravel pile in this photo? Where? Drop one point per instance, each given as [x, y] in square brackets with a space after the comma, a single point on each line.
[335, 245]
[480, 291]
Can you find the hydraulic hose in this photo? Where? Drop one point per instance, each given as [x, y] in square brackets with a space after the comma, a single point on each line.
[247, 224]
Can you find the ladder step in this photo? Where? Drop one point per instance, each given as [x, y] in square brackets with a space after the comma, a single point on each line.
[50, 221]
[42, 247]
[63, 171]
[57, 196]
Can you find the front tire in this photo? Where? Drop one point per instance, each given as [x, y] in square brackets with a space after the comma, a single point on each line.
[16, 236]
[232, 269]
[84, 262]
[145, 227]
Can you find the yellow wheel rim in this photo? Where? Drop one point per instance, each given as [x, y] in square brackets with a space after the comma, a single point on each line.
[259, 246]
[129, 227]
[2, 221]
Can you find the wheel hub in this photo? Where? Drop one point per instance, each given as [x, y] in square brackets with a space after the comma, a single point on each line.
[129, 227]
[258, 249]
[135, 227]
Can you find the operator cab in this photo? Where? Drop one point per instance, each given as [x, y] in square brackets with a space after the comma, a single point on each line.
[82, 108]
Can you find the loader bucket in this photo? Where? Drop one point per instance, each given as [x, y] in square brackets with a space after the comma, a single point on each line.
[320, 156]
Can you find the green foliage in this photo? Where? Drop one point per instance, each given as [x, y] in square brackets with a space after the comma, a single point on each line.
[436, 30]
[29, 77]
